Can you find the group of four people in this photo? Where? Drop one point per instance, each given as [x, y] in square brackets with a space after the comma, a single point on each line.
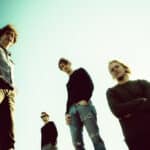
[129, 101]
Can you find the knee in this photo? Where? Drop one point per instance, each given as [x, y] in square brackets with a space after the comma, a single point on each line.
[96, 138]
[78, 145]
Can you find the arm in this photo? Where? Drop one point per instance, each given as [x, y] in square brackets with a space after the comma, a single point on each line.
[86, 85]
[121, 109]
[4, 72]
[67, 107]
[145, 86]
[54, 133]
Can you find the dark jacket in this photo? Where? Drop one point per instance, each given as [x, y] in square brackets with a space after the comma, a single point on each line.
[49, 134]
[79, 87]
[127, 103]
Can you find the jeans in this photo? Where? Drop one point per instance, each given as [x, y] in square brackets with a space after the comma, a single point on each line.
[6, 119]
[84, 115]
[49, 147]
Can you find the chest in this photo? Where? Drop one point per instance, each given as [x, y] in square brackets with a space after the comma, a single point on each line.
[129, 92]
[5, 59]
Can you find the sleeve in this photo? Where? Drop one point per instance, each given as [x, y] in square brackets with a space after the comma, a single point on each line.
[67, 107]
[3, 72]
[2, 64]
[41, 139]
[54, 134]
[145, 86]
[86, 85]
[67, 103]
[120, 109]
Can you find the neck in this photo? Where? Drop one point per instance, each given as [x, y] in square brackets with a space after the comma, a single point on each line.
[46, 121]
[4, 46]
[123, 79]
[70, 72]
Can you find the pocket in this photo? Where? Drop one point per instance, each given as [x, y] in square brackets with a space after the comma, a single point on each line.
[93, 110]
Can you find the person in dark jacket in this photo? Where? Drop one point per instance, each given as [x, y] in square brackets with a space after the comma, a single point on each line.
[79, 109]
[48, 133]
[129, 101]
[8, 37]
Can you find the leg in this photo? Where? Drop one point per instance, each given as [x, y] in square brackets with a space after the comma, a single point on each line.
[88, 117]
[54, 147]
[76, 128]
[49, 147]
[7, 109]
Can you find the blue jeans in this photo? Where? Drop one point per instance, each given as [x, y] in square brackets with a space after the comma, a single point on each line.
[84, 115]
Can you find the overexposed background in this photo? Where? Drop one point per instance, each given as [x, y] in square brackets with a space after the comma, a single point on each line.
[89, 33]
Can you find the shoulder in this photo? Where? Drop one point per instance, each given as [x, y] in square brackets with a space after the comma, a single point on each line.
[80, 69]
[139, 81]
[111, 90]
[51, 123]
[143, 82]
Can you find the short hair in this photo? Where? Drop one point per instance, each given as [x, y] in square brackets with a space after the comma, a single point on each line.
[122, 64]
[62, 61]
[44, 114]
[9, 27]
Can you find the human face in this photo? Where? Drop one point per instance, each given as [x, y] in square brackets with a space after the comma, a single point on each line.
[7, 39]
[117, 70]
[66, 67]
[45, 118]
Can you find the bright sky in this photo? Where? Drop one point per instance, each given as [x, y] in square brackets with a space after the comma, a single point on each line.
[89, 33]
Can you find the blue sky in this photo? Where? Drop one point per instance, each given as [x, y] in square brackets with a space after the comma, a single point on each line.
[89, 33]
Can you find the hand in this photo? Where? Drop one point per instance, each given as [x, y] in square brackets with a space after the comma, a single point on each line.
[145, 99]
[141, 99]
[127, 116]
[10, 149]
[68, 119]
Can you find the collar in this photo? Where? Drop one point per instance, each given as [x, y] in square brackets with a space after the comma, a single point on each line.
[6, 51]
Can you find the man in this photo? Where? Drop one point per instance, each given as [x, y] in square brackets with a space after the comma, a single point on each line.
[8, 37]
[48, 133]
[130, 103]
[80, 110]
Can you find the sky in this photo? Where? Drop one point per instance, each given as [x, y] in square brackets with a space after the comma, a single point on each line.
[89, 33]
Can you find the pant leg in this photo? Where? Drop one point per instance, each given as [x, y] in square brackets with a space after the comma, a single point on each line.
[49, 147]
[76, 129]
[88, 117]
[7, 121]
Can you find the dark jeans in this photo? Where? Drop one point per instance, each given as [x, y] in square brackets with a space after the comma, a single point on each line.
[6, 119]
[85, 115]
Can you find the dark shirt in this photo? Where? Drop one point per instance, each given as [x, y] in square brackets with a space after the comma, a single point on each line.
[49, 134]
[79, 87]
[128, 99]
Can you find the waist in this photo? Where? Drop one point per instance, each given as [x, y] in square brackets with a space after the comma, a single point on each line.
[82, 102]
